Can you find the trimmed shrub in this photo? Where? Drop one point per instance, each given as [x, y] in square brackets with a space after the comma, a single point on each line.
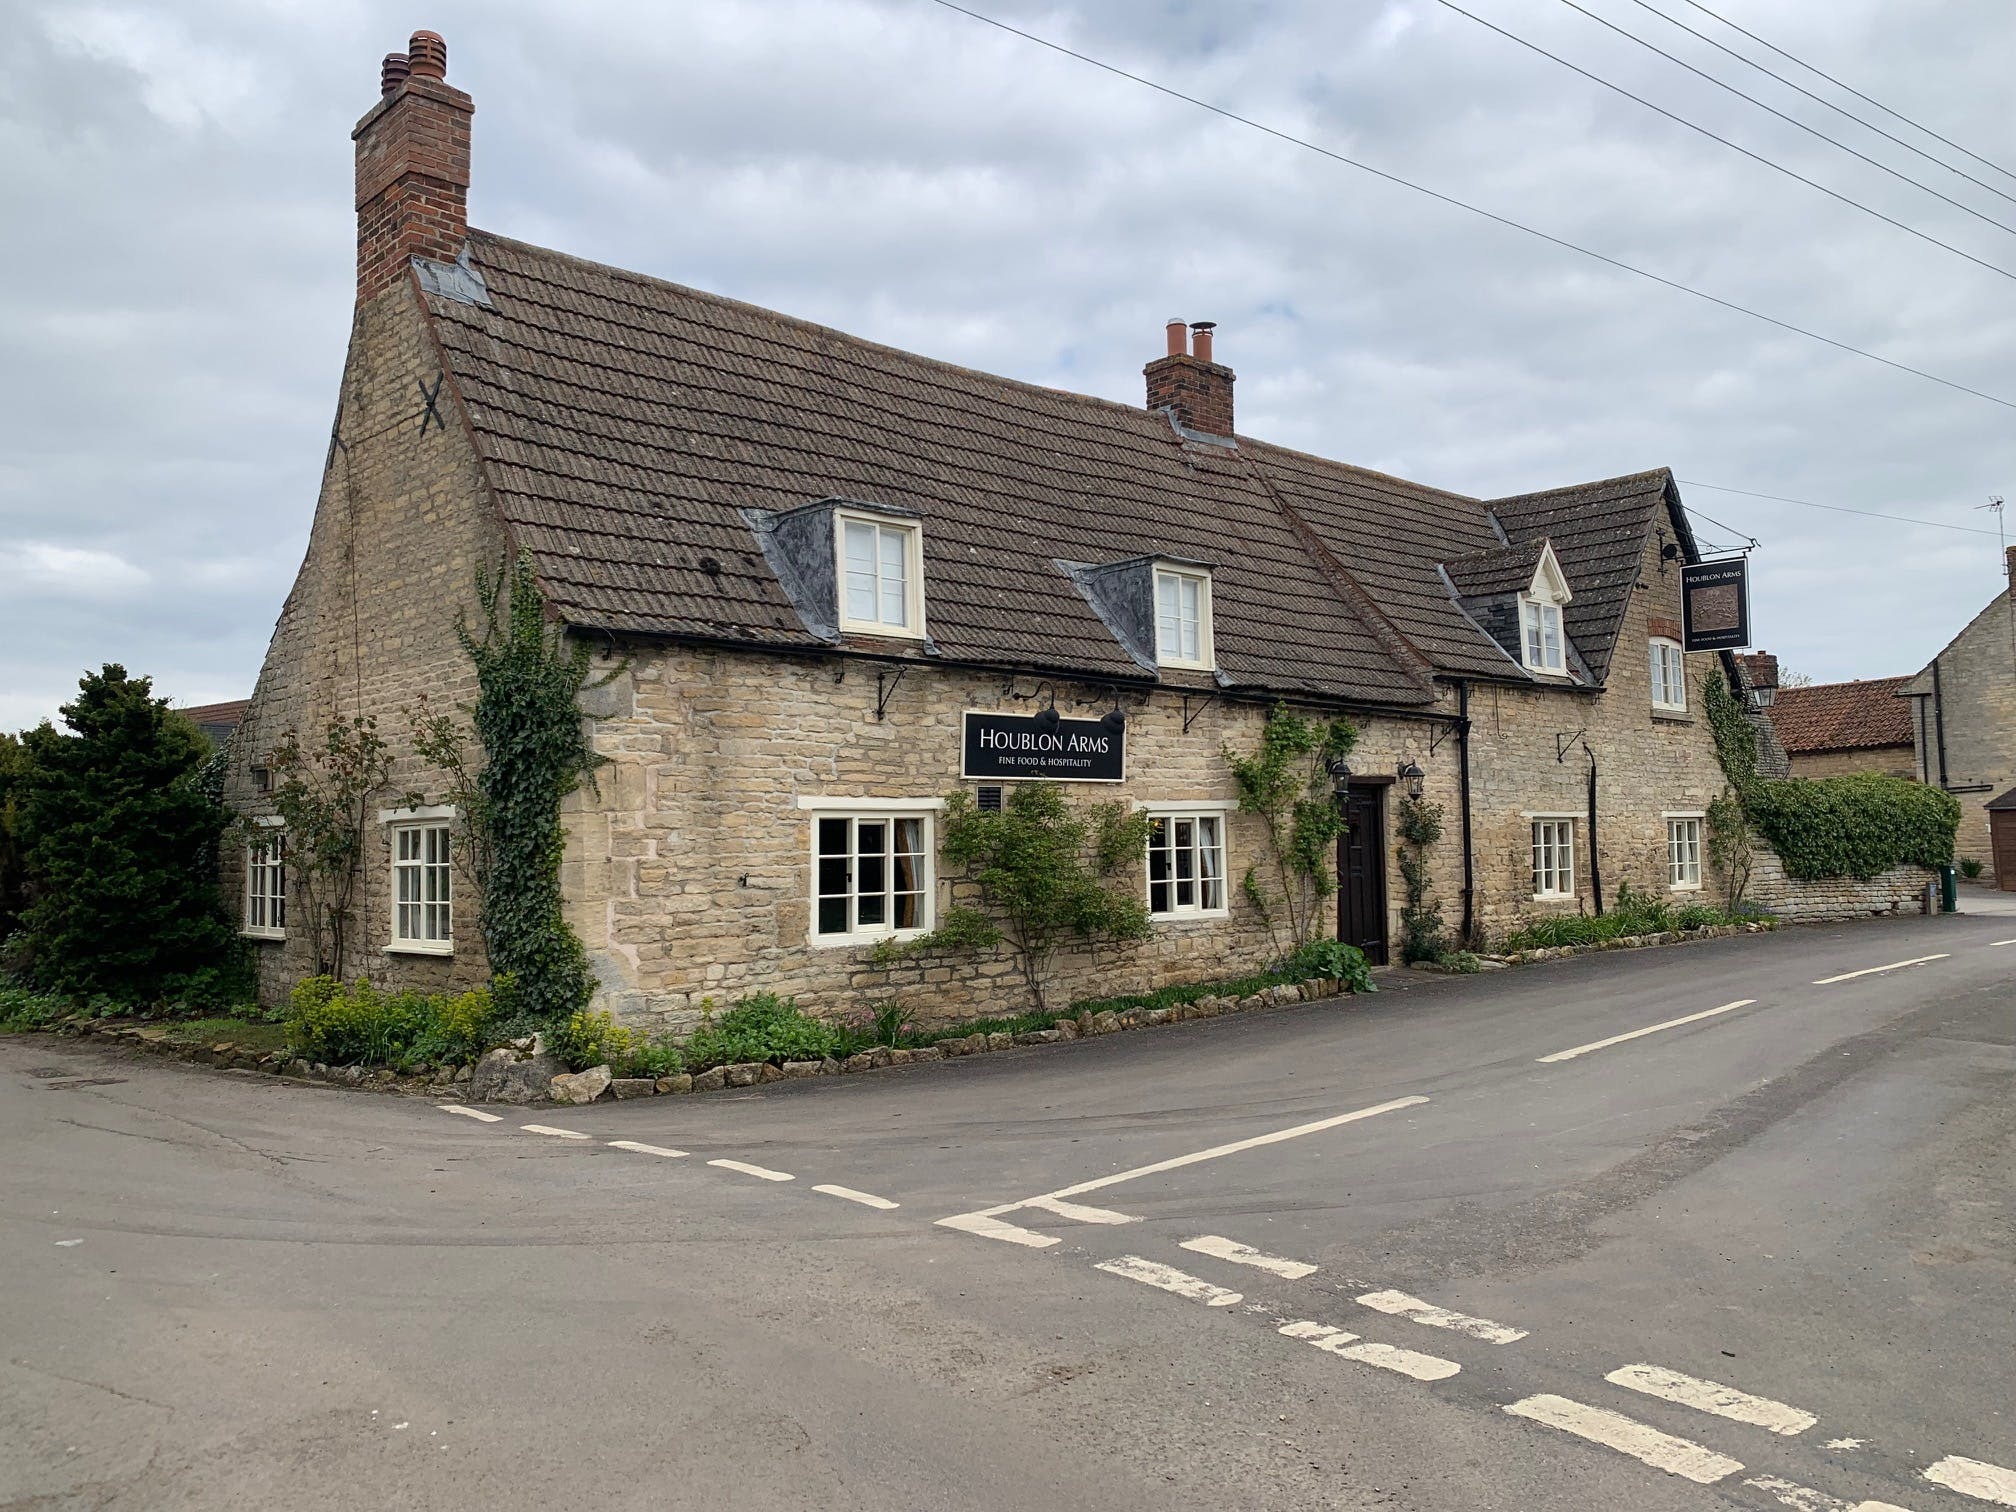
[356, 1024]
[1855, 826]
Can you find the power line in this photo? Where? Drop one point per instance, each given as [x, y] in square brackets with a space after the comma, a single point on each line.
[1870, 514]
[1490, 215]
[1755, 157]
[1820, 99]
[1822, 73]
[1702, 73]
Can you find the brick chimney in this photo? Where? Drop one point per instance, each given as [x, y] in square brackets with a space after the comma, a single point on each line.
[412, 167]
[2009, 567]
[1189, 383]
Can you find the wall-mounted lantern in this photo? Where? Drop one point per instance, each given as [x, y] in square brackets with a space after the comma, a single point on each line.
[1340, 775]
[1411, 776]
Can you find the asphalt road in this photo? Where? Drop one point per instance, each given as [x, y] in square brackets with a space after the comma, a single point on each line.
[1763, 1258]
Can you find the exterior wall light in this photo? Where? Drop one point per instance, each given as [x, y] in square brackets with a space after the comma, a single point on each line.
[1340, 775]
[1412, 776]
[1113, 721]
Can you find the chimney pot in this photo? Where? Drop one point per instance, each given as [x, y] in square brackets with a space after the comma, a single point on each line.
[1179, 337]
[1188, 384]
[428, 55]
[1200, 339]
[392, 72]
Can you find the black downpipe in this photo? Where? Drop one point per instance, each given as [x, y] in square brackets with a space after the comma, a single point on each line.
[1939, 719]
[1595, 861]
[1463, 771]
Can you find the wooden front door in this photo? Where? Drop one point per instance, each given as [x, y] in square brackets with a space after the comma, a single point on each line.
[1361, 872]
[2002, 843]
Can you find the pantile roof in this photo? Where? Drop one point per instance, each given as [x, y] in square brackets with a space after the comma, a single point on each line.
[625, 423]
[1843, 716]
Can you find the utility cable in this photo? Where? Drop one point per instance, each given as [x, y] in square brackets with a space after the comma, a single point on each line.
[1871, 514]
[1755, 157]
[1898, 114]
[1820, 99]
[1490, 215]
[1702, 73]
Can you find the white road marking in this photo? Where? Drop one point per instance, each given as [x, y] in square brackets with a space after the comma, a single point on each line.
[475, 1113]
[1849, 976]
[989, 1227]
[2002, 942]
[1168, 1278]
[761, 1172]
[866, 1199]
[1844, 1443]
[1618, 1039]
[1806, 1499]
[1613, 1430]
[644, 1149]
[1712, 1396]
[1403, 1306]
[1243, 1254]
[1407, 1362]
[1314, 1332]
[1079, 1214]
[1973, 1478]
[549, 1129]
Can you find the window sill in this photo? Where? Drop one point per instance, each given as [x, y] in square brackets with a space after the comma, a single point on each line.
[865, 937]
[1683, 887]
[1191, 916]
[420, 947]
[1553, 897]
[881, 632]
[274, 935]
[1672, 716]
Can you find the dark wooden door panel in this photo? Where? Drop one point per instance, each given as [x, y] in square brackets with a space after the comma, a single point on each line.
[1361, 873]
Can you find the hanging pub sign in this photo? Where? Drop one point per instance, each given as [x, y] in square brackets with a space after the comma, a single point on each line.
[1715, 604]
[1018, 745]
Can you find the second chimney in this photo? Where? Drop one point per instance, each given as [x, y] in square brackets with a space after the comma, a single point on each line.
[412, 167]
[1188, 384]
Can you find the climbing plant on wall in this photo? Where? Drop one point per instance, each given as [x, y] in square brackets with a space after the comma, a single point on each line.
[1287, 783]
[323, 792]
[1419, 823]
[528, 720]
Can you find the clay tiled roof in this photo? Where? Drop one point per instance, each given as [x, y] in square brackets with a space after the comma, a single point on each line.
[624, 422]
[1843, 716]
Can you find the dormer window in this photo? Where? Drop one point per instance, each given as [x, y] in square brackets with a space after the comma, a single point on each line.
[1182, 618]
[881, 575]
[1543, 645]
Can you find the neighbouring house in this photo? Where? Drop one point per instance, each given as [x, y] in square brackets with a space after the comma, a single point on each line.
[1827, 729]
[836, 581]
[217, 721]
[1965, 729]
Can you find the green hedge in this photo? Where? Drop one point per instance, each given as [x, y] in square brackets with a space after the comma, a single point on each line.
[1853, 826]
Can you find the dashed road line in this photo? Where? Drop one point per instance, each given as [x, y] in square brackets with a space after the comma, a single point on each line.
[1974, 1478]
[549, 1129]
[1400, 1305]
[1243, 1254]
[1078, 1214]
[1993, 943]
[475, 1113]
[989, 1227]
[1712, 1396]
[866, 1199]
[1618, 1039]
[1849, 976]
[646, 1149]
[762, 1173]
[1348, 1346]
[1168, 1278]
[1806, 1499]
[1613, 1430]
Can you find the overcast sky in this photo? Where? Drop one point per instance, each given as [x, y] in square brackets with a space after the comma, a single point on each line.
[177, 262]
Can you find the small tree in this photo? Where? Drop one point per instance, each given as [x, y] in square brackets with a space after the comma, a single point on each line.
[114, 825]
[13, 862]
[1730, 850]
[1042, 873]
[1420, 825]
[324, 795]
[1287, 783]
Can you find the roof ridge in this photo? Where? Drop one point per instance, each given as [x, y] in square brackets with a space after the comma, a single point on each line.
[1644, 476]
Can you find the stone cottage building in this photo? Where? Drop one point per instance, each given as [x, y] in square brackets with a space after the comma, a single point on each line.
[841, 581]
[1964, 722]
[1829, 729]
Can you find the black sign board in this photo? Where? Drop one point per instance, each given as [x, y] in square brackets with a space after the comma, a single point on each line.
[1715, 602]
[1013, 745]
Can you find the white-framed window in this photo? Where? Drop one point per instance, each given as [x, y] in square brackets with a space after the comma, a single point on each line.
[871, 874]
[1186, 864]
[1553, 858]
[1683, 852]
[1182, 618]
[1541, 631]
[881, 575]
[423, 888]
[1669, 676]
[266, 886]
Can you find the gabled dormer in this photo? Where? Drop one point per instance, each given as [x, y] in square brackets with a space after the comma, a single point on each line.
[848, 567]
[1158, 608]
[1516, 594]
[1543, 644]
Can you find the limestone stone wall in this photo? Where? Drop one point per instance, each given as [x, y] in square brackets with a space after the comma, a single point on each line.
[1977, 681]
[400, 529]
[1892, 761]
[1899, 891]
